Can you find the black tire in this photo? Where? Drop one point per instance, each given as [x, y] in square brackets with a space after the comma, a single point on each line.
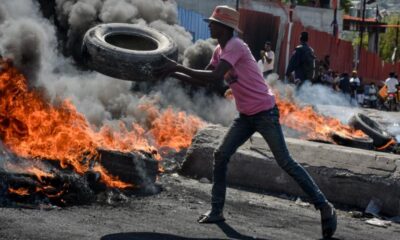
[127, 51]
[363, 143]
[374, 130]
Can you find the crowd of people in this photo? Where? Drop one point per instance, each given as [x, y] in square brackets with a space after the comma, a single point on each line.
[303, 66]
[370, 95]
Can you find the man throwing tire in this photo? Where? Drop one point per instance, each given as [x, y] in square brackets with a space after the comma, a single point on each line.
[233, 62]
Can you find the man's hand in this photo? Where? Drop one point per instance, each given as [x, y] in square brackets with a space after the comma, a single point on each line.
[228, 94]
[169, 67]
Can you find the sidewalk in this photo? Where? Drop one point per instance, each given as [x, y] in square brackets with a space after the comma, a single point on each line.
[346, 175]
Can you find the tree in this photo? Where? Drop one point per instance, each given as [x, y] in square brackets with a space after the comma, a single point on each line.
[354, 38]
[388, 40]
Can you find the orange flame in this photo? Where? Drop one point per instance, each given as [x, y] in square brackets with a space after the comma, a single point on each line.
[175, 131]
[19, 191]
[55, 195]
[39, 173]
[313, 125]
[33, 128]
[171, 129]
[110, 180]
[31, 169]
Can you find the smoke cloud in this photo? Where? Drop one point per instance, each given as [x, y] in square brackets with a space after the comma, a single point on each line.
[118, 11]
[199, 54]
[2, 14]
[26, 42]
[30, 40]
[182, 38]
[209, 107]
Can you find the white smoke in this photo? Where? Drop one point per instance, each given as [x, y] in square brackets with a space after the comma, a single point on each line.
[118, 11]
[323, 98]
[2, 15]
[321, 94]
[211, 108]
[394, 129]
[199, 54]
[182, 38]
[327, 101]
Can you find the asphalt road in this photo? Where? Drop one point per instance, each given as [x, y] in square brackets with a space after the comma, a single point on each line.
[172, 214]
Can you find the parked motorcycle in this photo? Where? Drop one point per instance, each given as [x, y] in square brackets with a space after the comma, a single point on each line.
[389, 101]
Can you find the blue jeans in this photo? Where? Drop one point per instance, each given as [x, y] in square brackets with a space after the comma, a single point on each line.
[267, 124]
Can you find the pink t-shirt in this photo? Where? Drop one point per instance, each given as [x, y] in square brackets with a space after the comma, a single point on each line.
[252, 95]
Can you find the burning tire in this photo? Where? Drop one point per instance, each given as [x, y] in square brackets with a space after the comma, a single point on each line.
[375, 131]
[126, 51]
[363, 143]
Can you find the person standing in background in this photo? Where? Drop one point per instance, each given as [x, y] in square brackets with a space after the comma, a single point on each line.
[355, 83]
[302, 62]
[270, 59]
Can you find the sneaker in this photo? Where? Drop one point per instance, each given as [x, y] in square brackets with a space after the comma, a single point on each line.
[328, 220]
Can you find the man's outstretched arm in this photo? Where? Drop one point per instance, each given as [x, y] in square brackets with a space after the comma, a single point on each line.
[194, 76]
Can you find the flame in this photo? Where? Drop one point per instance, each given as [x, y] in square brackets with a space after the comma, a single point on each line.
[171, 129]
[39, 173]
[47, 189]
[31, 127]
[19, 191]
[175, 131]
[112, 181]
[30, 169]
[311, 124]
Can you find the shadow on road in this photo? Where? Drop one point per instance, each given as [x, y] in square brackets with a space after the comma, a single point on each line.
[147, 236]
[231, 233]
[228, 230]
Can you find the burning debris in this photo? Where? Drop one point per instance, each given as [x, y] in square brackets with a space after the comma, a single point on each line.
[306, 123]
[362, 132]
[39, 121]
[54, 154]
[312, 125]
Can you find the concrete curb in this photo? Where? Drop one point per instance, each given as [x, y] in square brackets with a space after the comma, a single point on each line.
[346, 175]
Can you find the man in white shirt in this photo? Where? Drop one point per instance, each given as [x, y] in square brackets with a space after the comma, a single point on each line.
[268, 60]
[355, 83]
[391, 83]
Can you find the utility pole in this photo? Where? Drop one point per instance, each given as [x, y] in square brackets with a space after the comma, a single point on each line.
[396, 42]
[361, 33]
[237, 5]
